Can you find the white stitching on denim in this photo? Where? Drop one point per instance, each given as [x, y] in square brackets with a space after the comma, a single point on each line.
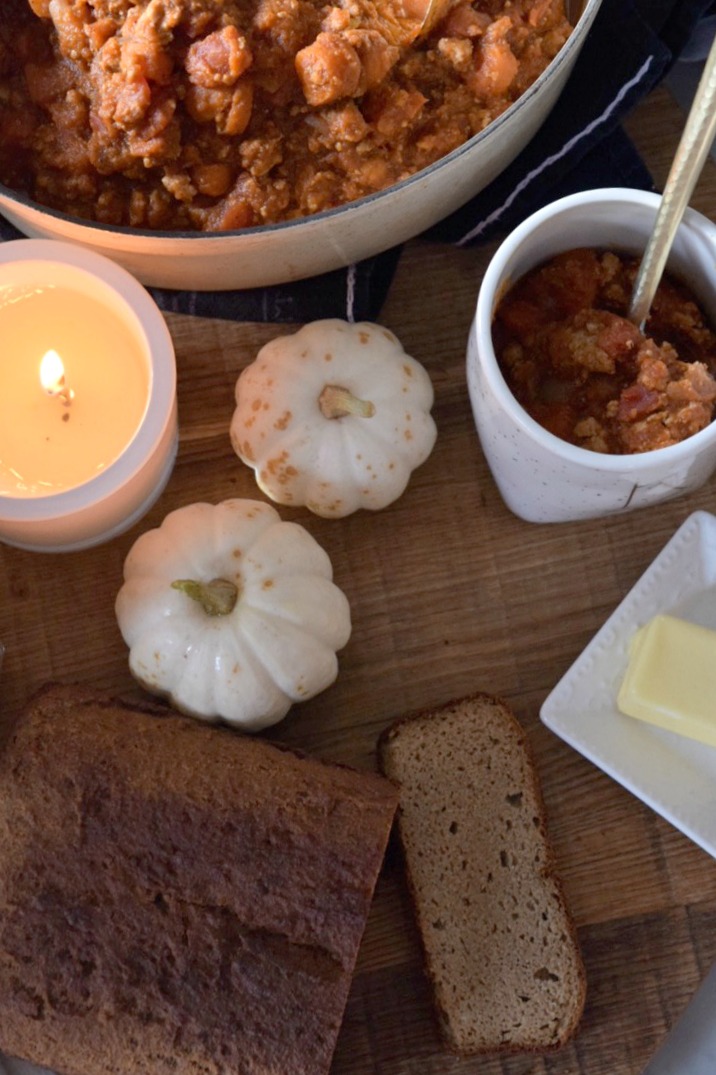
[497, 213]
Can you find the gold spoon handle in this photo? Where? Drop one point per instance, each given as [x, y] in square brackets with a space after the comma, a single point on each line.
[695, 143]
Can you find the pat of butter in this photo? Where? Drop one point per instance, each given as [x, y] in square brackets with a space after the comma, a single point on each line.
[671, 678]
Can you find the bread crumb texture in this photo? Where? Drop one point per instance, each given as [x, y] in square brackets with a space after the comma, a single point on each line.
[500, 946]
[176, 897]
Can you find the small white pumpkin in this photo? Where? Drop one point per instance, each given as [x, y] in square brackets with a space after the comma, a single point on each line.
[232, 613]
[334, 417]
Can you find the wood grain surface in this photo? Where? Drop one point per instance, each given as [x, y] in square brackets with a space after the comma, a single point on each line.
[450, 593]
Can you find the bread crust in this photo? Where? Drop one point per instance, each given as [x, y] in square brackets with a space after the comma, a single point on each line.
[430, 718]
[177, 897]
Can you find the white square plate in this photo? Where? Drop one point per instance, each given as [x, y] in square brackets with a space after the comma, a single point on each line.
[675, 776]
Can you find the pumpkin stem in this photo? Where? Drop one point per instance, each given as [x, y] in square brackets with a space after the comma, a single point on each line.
[217, 597]
[337, 402]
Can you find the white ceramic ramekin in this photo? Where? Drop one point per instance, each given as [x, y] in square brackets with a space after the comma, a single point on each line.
[541, 477]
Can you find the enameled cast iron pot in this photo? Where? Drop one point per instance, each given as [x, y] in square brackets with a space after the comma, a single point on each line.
[278, 253]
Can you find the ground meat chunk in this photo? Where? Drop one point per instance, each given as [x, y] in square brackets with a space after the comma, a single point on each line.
[329, 69]
[496, 65]
[218, 59]
[229, 110]
[592, 341]
[589, 375]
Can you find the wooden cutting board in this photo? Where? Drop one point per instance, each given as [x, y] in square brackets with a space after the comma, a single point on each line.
[449, 593]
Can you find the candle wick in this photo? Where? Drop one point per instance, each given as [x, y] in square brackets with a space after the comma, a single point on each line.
[62, 392]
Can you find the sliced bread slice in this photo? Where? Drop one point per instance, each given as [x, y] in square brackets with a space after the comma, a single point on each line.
[500, 946]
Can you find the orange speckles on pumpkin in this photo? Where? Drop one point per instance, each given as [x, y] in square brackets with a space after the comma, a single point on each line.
[267, 584]
[246, 451]
[328, 357]
[407, 370]
[279, 469]
[408, 434]
[364, 336]
[283, 421]
[273, 464]
[237, 554]
[391, 466]
[249, 422]
[157, 656]
[257, 404]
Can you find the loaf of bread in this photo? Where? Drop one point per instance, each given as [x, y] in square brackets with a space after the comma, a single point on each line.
[176, 897]
[500, 947]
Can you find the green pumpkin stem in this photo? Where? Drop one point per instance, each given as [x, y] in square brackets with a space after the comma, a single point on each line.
[217, 597]
[337, 402]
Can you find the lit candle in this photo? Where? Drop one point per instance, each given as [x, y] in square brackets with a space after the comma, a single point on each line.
[45, 445]
[52, 377]
[88, 426]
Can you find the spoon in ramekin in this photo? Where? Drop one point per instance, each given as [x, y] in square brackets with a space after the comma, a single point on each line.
[696, 140]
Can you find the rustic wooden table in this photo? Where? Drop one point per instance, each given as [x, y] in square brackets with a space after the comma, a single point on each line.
[450, 593]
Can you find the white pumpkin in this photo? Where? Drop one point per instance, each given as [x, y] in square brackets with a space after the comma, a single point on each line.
[334, 417]
[232, 613]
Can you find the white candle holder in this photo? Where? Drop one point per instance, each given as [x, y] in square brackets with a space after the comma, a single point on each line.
[113, 500]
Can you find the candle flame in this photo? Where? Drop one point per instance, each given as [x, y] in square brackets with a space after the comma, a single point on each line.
[52, 377]
[52, 373]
